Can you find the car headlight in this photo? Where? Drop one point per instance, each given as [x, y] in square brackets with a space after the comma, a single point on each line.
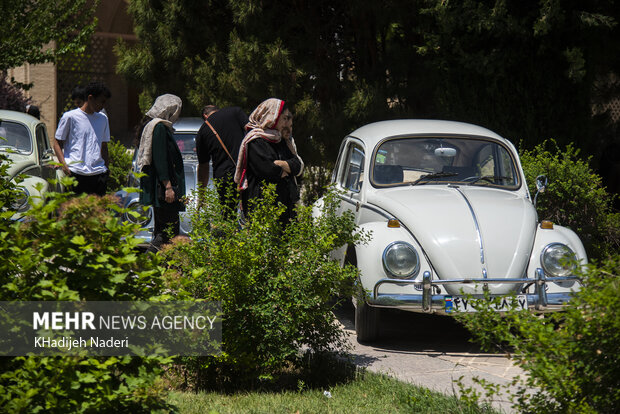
[401, 260]
[558, 260]
[145, 216]
[20, 203]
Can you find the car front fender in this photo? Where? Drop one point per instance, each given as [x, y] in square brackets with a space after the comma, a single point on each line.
[557, 234]
[369, 257]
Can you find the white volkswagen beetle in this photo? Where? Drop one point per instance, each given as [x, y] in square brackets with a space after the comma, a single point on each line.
[24, 140]
[451, 216]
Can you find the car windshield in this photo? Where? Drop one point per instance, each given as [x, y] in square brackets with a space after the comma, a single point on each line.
[430, 160]
[186, 142]
[15, 136]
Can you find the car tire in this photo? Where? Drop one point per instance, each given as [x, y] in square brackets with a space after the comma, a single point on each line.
[366, 322]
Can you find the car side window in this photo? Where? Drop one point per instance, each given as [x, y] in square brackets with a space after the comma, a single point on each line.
[42, 142]
[354, 168]
[494, 160]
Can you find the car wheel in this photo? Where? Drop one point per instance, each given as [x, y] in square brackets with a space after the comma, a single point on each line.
[366, 322]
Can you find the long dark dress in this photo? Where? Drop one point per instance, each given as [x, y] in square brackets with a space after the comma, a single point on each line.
[167, 165]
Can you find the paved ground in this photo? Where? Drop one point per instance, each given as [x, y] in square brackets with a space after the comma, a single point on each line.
[428, 350]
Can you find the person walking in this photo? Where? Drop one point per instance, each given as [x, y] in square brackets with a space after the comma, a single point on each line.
[77, 96]
[160, 159]
[218, 142]
[265, 157]
[81, 143]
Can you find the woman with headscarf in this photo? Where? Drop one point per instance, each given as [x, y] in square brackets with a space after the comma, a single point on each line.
[159, 158]
[266, 157]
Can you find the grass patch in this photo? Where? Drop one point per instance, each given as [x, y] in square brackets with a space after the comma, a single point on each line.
[366, 393]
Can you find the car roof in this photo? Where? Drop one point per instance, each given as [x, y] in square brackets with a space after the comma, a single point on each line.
[188, 124]
[373, 133]
[22, 117]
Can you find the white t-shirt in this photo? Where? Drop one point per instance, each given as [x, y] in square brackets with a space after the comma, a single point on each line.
[83, 135]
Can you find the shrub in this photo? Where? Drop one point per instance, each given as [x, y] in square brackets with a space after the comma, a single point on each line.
[275, 285]
[574, 198]
[11, 97]
[76, 249]
[120, 165]
[8, 189]
[315, 180]
[571, 357]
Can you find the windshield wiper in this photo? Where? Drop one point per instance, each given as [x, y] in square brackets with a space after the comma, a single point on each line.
[433, 175]
[492, 179]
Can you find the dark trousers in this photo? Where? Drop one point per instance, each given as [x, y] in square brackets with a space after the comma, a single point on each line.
[167, 225]
[91, 184]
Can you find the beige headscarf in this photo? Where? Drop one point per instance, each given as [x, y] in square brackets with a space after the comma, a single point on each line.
[261, 124]
[165, 110]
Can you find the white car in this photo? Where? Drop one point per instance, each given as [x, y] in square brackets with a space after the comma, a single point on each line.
[451, 217]
[24, 140]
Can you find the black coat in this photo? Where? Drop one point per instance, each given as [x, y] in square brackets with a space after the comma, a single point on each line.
[167, 165]
[261, 170]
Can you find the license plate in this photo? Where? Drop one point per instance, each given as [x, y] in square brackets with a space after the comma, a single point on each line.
[465, 304]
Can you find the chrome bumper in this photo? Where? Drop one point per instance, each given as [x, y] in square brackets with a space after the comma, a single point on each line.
[427, 302]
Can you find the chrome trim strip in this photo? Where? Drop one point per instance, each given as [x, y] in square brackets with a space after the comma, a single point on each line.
[377, 210]
[473, 214]
[345, 199]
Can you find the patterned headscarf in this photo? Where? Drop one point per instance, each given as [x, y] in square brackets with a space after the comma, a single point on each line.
[165, 110]
[261, 124]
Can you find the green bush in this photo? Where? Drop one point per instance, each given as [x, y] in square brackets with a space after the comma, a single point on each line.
[276, 285]
[315, 180]
[76, 249]
[571, 358]
[120, 165]
[8, 189]
[575, 197]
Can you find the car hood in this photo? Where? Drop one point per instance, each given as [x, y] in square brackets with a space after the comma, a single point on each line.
[466, 231]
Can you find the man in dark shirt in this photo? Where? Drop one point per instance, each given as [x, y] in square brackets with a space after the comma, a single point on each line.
[229, 123]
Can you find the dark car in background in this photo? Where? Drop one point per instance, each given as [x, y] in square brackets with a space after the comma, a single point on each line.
[185, 130]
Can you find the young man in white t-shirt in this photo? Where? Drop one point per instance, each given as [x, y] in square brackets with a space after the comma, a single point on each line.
[85, 133]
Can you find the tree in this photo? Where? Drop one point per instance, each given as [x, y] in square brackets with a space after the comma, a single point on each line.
[172, 34]
[11, 97]
[38, 31]
[529, 70]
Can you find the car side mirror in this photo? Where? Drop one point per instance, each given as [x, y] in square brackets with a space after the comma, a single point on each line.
[541, 186]
[47, 155]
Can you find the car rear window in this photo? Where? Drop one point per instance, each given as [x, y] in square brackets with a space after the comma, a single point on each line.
[186, 142]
